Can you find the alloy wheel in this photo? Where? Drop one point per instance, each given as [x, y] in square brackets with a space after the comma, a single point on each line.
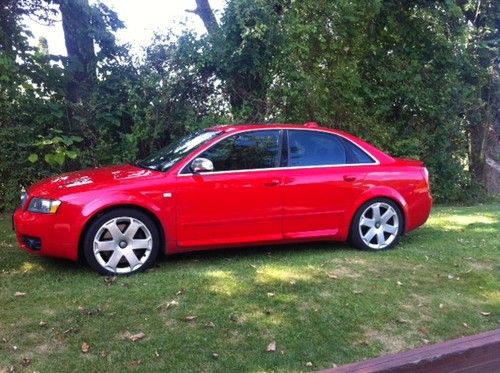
[378, 225]
[122, 245]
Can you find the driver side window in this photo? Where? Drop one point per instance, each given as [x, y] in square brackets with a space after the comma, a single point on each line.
[245, 151]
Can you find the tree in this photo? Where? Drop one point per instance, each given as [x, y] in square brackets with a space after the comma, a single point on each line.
[81, 61]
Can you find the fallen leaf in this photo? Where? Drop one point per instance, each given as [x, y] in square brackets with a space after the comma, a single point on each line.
[71, 330]
[42, 323]
[169, 304]
[271, 347]
[426, 341]
[137, 337]
[424, 329]
[85, 348]
[25, 362]
[485, 313]
[190, 318]
[357, 291]
[172, 303]
[210, 324]
[333, 276]
[136, 362]
[109, 279]
[181, 291]
[19, 294]
[403, 321]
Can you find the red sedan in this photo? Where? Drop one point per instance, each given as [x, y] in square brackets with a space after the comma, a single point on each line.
[227, 186]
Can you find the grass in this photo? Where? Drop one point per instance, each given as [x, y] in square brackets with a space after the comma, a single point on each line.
[323, 304]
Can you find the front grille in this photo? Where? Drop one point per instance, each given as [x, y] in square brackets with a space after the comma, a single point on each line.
[32, 243]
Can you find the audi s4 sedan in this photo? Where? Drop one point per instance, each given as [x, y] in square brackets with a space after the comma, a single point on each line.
[227, 186]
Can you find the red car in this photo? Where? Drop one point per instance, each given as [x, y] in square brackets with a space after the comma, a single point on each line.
[227, 186]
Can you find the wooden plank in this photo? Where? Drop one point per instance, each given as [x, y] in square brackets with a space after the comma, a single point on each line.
[475, 353]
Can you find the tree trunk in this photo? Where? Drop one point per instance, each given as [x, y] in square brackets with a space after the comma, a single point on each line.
[81, 62]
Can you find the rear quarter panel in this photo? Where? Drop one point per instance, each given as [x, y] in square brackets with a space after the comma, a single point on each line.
[404, 184]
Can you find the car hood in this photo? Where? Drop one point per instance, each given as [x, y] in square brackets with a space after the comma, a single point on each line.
[91, 179]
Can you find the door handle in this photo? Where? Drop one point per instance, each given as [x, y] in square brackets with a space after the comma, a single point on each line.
[349, 178]
[272, 183]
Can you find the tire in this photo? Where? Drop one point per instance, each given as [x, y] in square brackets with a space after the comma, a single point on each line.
[376, 232]
[122, 241]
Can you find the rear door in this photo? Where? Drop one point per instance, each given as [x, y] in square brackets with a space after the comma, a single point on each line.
[323, 177]
[241, 200]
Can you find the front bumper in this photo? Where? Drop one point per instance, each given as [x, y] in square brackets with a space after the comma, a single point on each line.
[46, 234]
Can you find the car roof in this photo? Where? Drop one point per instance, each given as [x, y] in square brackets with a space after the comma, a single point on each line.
[257, 126]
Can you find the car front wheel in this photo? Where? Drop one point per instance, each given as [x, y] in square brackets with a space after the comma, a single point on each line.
[377, 225]
[121, 242]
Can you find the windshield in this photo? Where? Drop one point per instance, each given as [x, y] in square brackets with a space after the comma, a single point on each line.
[165, 158]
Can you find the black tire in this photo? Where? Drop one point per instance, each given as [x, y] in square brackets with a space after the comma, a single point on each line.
[355, 237]
[122, 215]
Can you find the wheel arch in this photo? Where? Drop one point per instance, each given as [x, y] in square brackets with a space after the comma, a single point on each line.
[100, 212]
[385, 193]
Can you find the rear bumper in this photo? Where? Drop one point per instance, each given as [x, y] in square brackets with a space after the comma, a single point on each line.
[419, 211]
[46, 234]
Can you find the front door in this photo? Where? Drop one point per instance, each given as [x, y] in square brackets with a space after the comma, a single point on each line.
[240, 201]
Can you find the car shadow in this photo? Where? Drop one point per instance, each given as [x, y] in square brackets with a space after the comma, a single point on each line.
[254, 251]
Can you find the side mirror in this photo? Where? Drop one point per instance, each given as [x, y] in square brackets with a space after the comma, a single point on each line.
[202, 165]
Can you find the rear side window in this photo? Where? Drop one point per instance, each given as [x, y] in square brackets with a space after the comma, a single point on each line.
[245, 151]
[313, 148]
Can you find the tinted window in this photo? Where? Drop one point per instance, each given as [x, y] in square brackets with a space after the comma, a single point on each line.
[312, 148]
[355, 154]
[245, 151]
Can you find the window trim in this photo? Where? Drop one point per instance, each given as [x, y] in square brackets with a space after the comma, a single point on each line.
[284, 132]
[287, 135]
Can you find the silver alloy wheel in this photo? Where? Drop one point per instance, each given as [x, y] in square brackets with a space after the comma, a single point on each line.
[378, 225]
[122, 245]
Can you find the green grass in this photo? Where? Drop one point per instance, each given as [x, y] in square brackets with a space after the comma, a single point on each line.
[433, 287]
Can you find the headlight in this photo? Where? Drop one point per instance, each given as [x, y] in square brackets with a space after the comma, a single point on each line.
[23, 198]
[45, 206]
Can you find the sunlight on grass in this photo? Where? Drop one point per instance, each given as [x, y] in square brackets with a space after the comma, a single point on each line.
[492, 297]
[223, 282]
[459, 222]
[272, 274]
[27, 267]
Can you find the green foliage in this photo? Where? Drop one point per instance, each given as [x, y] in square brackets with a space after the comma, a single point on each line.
[57, 148]
[417, 79]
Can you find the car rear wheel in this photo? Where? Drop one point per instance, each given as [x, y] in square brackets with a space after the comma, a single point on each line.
[121, 242]
[377, 225]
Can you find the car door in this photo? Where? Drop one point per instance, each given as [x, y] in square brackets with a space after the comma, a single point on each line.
[322, 179]
[240, 201]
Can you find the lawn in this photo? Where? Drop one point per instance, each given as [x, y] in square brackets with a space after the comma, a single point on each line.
[322, 304]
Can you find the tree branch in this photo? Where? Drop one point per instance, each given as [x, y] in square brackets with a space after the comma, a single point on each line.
[205, 12]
